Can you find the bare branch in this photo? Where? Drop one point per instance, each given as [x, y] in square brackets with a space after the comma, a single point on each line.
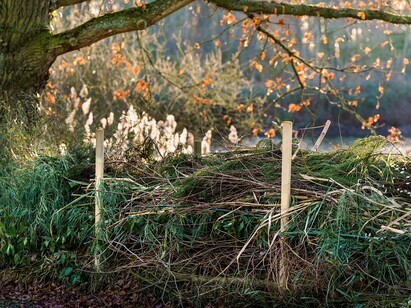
[280, 8]
[55, 4]
[96, 29]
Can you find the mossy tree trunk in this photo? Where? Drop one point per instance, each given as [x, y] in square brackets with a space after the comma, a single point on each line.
[24, 59]
[28, 48]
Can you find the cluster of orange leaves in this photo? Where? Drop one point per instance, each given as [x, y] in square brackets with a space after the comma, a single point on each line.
[119, 60]
[207, 81]
[120, 94]
[371, 121]
[204, 101]
[394, 135]
[50, 93]
[228, 19]
[270, 133]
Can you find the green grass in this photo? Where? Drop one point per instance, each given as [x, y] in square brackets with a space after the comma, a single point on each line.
[201, 230]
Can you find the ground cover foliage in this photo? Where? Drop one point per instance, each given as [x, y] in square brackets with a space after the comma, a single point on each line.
[205, 230]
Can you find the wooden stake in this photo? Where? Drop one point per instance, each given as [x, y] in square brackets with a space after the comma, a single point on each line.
[323, 133]
[285, 194]
[99, 177]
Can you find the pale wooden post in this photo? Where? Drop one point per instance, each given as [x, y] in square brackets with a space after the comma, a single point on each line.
[323, 133]
[99, 177]
[285, 194]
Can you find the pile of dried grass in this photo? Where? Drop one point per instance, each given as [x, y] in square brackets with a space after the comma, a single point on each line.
[206, 229]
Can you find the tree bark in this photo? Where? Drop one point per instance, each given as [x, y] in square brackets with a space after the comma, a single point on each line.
[24, 62]
[28, 48]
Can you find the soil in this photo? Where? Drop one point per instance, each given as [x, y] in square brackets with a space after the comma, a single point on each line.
[53, 295]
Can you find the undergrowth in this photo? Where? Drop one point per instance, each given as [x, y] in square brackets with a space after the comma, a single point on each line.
[205, 230]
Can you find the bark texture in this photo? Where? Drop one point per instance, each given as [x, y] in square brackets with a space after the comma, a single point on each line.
[24, 61]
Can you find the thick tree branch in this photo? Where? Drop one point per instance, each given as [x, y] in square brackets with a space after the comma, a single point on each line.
[55, 4]
[114, 23]
[280, 8]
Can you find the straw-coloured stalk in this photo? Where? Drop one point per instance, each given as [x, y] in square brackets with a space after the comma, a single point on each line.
[322, 135]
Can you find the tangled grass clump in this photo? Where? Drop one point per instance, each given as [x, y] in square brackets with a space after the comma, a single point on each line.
[206, 229]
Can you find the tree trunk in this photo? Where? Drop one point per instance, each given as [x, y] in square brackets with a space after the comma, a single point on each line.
[28, 49]
[24, 58]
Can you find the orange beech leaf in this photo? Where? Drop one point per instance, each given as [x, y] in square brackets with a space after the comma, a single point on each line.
[256, 21]
[120, 94]
[244, 42]
[80, 60]
[293, 108]
[383, 44]
[281, 22]
[70, 70]
[306, 103]
[50, 98]
[140, 3]
[269, 83]
[62, 64]
[270, 133]
[361, 15]
[376, 118]
[355, 57]
[228, 19]
[405, 63]
[367, 50]
[307, 35]
[196, 46]
[394, 135]
[377, 62]
[257, 66]
[141, 86]
[250, 108]
[115, 48]
[262, 55]
[240, 107]
[255, 131]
